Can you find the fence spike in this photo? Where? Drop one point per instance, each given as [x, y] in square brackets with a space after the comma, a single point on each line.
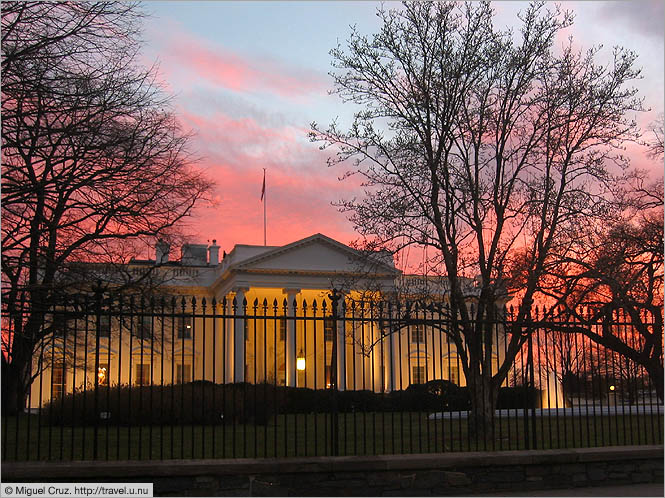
[304, 304]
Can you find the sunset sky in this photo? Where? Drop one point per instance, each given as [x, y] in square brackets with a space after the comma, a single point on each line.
[249, 78]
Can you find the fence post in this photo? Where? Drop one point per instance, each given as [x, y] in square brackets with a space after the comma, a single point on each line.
[334, 296]
[98, 290]
[531, 386]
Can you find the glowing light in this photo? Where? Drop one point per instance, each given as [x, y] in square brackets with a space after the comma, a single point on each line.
[101, 375]
[612, 388]
[300, 361]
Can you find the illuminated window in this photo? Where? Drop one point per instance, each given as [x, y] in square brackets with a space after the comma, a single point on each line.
[183, 373]
[418, 333]
[418, 375]
[328, 375]
[142, 374]
[103, 374]
[57, 381]
[282, 329]
[328, 332]
[454, 375]
[184, 327]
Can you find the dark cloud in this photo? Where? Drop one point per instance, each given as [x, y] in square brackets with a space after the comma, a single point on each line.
[646, 17]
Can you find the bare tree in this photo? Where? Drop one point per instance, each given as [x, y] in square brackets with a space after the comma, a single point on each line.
[484, 145]
[93, 159]
[613, 275]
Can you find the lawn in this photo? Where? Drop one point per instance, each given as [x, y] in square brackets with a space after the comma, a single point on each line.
[28, 438]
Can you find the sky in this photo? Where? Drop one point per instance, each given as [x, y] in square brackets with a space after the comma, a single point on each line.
[248, 78]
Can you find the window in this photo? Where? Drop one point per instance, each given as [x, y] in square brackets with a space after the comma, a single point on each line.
[328, 332]
[104, 326]
[328, 376]
[418, 333]
[142, 327]
[454, 375]
[183, 373]
[142, 374]
[282, 329]
[57, 381]
[418, 375]
[103, 374]
[184, 325]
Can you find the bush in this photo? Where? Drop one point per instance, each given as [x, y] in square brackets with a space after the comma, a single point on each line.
[198, 402]
[514, 397]
[205, 403]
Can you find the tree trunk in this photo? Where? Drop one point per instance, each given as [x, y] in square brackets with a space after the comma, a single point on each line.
[483, 401]
[655, 371]
[15, 386]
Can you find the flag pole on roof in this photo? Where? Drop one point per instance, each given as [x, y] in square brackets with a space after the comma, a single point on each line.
[263, 199]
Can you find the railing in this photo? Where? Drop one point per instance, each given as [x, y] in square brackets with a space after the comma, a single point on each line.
[130, 378]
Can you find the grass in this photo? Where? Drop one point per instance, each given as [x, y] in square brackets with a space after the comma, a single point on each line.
[25, 438]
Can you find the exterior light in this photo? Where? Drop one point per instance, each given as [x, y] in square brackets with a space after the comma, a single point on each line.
[612, 388]
[101, 375]
[300, 361]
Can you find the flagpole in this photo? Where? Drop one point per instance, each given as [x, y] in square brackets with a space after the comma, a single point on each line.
[264, 208]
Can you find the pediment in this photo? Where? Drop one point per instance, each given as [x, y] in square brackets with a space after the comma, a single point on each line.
[317, 253]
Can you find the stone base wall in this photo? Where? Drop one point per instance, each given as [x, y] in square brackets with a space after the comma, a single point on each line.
[385, 475]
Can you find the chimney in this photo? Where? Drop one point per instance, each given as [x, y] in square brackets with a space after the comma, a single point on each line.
[162, 252]
[213, 253]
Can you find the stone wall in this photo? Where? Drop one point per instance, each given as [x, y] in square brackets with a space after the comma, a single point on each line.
[384, 475]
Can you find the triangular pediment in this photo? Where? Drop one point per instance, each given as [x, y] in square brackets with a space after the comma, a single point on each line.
[317, 253]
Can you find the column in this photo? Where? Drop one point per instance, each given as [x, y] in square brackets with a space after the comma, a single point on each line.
[239, 337]
[228, 340]
[341, 353]
[290, 346]
[394, 361]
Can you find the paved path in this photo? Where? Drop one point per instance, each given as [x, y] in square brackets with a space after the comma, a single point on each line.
[623, 490]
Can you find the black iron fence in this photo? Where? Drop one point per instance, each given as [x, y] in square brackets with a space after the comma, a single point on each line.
[129, 378]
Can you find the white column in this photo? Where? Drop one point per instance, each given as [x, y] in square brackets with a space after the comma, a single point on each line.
[394, 361]
[290, 346]
[228, 340]
[239, 337]
[341, 353]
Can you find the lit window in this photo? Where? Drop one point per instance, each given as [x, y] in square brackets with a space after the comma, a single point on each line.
[328, 332]
[282, 329]
[57, 381]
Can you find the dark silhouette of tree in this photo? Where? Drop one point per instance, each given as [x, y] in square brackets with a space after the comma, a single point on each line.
[612, 275]
[94, 161]
[483, 145]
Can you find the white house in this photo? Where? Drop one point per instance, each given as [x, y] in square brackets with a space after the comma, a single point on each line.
[271, 322]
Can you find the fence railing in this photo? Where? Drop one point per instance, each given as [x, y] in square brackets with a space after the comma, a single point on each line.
[128, 378]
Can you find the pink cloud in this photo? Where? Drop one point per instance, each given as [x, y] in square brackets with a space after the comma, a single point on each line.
[300, 188]
[200, 59]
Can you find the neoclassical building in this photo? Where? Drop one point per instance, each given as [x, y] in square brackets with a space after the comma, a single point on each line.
[259, 314]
